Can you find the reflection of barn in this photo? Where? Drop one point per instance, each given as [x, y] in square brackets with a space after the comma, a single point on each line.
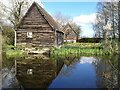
[37, 73]
[68, 61]
[69, 33]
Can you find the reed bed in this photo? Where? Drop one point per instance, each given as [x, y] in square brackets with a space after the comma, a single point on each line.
[82, 49]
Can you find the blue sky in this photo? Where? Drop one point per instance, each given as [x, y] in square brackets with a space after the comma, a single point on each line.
[83, 13]
[70, 8]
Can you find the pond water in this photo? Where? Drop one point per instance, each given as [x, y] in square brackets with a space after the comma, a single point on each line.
[39, 71]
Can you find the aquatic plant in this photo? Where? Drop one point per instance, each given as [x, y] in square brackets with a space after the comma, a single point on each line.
[81, 51]
[82, 48]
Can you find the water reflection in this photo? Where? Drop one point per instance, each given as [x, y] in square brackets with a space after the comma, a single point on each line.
[107, 72]
[79, 74]
[88, 72]
[8, 72]
[36, 71]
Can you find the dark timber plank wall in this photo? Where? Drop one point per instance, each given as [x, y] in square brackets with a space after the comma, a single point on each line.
[43, 33]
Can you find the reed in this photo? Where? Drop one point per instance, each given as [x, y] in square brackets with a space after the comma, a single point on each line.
[81, 50]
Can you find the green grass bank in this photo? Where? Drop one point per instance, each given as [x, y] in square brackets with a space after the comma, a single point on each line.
[83, 48]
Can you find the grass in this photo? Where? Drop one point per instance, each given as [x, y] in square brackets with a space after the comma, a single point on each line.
[81, 51]
[10, 50]
[15, 52]
[82, 48]
[68, 49]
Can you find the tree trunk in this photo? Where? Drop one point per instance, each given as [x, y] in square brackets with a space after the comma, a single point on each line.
[105, 36]
[77, 38]
[119, 26]
[113, 27]
[105, 31]
[113, 22]
[119, 20]
[118, 71]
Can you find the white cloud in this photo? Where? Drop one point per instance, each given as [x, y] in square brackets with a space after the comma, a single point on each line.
[87, 31]
[89, 60]
[80, 0]
[85, 19]
[8, 2]
[5, 2]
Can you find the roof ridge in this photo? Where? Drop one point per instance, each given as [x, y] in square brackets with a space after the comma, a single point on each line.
[45, 15]
[38, 6]
[68, 25]
[48, 16]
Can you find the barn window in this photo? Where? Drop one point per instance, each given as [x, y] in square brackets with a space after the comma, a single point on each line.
[29, 34]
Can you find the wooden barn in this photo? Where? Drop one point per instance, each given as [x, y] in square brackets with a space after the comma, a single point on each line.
[38, 29]
[69, 33]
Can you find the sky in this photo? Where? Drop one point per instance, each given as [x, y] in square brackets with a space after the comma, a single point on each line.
[83, 13]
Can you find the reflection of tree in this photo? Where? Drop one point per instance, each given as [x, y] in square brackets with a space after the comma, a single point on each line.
[7, 62]
[8, 73]
[32, 71]
[119, 71]
[107, 72]
[39, 71]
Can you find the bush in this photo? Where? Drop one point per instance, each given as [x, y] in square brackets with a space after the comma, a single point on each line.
[90, 40]
[9, 35]
[111, 45]
[10, 47]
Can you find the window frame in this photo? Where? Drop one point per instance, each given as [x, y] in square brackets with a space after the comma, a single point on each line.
[29, 34]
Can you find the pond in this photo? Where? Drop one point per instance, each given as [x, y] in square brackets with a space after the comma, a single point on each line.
[39, 71]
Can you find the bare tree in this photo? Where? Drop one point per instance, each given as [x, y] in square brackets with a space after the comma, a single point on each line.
[61, 19]
[14, 11]
[119, 19]
[64, 20]
[107, 14]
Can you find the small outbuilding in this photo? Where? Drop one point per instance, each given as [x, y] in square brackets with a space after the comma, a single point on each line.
[69, 34]
[38, 29]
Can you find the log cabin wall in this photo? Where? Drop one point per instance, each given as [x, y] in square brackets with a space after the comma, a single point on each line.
[60, 39]
[35, 31]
